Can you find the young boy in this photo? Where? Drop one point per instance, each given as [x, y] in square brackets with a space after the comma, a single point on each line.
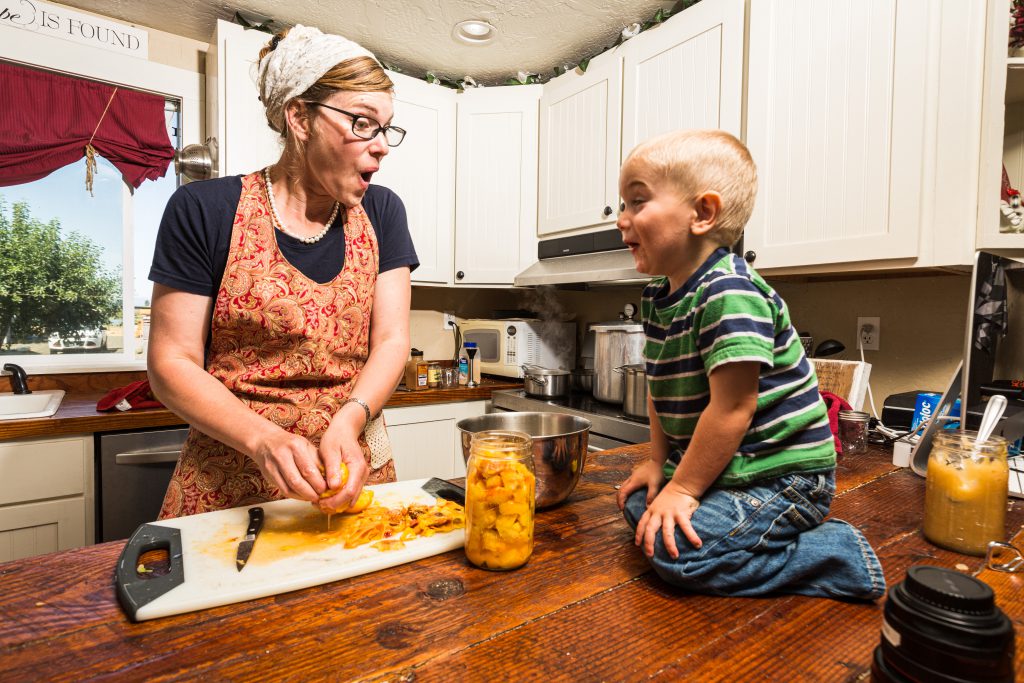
[742, 466]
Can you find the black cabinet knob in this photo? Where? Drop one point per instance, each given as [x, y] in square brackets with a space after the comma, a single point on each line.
[459, 275]
[607, 211]
[749, 256]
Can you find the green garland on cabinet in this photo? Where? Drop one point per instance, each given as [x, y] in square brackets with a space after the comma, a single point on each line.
[521, 77]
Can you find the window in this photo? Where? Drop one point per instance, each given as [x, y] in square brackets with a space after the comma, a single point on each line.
[100, 266]
[112, 233]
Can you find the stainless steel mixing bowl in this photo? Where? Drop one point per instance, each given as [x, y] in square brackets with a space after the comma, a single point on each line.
[559, 447]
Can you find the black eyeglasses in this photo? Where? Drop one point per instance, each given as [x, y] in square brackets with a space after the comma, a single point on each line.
[366, 128]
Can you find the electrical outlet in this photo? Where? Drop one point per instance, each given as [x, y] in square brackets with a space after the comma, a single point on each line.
[869, 333]
[448, 321]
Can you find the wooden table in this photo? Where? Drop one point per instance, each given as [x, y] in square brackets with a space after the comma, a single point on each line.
[586, 608]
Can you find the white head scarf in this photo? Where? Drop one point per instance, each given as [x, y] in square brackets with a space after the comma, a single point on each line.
[298, 61]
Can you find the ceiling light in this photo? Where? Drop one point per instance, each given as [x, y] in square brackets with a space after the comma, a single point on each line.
[474, 32]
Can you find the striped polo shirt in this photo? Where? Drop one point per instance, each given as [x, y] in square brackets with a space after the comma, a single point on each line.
[726, 313]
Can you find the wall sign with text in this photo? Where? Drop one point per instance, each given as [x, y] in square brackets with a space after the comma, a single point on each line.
[44, 18]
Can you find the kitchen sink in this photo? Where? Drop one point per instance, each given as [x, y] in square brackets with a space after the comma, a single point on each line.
[23, 406]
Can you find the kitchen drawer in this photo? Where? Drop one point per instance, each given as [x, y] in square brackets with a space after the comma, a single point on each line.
[36, 469]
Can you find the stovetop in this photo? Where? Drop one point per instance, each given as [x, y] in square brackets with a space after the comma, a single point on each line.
[606, 419]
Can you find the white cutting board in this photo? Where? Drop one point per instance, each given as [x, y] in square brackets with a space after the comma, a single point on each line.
[287, 556]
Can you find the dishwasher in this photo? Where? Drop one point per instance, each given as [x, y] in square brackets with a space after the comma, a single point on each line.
[132, 473]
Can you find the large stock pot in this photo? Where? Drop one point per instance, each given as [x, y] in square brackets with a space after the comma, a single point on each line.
[615, 345]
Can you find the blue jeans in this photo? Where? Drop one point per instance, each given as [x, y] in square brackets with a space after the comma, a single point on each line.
[769, 537]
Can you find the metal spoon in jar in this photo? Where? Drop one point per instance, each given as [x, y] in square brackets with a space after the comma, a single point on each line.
[989, 420]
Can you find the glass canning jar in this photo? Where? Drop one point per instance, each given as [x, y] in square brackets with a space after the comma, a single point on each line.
[500, 490]
[965, 492]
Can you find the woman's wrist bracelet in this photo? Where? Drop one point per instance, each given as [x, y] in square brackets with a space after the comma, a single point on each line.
[364, 404]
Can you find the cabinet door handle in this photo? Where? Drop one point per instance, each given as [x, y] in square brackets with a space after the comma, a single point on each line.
[749, 256]
[146, 457]
[607, 211]
[459, 275]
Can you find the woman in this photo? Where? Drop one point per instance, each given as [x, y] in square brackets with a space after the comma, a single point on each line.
[280, 318]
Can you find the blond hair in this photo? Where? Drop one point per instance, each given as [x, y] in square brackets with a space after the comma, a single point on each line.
[359, 74]
[697, 161]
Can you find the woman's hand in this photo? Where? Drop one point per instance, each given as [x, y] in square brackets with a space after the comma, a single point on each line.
[290, 462]
[340, 444]
[673, 507]
[649, 474]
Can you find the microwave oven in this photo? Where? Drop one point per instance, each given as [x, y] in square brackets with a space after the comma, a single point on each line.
[504, 346]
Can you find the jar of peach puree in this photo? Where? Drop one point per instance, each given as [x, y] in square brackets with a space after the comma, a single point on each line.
[966, 492]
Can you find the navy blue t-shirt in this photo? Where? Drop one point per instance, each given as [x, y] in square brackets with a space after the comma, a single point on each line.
[195, 231]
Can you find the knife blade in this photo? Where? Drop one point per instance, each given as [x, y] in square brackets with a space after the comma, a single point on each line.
[439, 488]
[246, 544]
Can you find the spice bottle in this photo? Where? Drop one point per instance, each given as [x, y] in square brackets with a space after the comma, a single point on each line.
[500, 490]
[965, 491]
[413, 373]
[433, 375]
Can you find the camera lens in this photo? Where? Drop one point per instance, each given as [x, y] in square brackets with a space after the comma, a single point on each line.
[943, 626]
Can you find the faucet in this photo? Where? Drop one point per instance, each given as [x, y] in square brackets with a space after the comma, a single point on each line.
[19, 384]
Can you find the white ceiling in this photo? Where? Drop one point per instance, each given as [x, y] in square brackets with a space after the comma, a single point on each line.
[416, 35]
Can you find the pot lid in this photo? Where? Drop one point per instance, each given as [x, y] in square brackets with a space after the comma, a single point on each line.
[624, 326]
[538, 370]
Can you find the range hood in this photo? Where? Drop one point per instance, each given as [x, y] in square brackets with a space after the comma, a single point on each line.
[594, 258]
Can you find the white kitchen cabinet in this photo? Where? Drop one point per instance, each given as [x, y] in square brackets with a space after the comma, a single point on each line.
[46, 495]
[234, 113]
[864, 121]
[686, 73]
[496, 184]
[421, 171]
[425, 441]
[1003, 137]
[579, 147]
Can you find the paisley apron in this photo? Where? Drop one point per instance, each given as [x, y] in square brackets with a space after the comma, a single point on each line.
[289, 348]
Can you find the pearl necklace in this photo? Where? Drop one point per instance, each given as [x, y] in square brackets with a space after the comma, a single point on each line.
[279, 224]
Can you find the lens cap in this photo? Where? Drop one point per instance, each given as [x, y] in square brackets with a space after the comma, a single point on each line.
[950, 590]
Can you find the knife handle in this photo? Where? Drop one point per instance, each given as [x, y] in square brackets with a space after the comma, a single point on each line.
[255, 521]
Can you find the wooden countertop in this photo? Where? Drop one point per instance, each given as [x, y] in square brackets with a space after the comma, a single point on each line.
[78, 415]
[586, 608]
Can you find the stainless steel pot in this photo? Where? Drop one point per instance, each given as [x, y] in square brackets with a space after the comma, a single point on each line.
[583, 380]
[545, 383]
[634, 395]
[615, 345]
[559, 447]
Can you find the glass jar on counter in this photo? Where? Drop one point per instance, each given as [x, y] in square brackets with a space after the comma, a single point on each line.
[433, 375]
[853, 431]
[966, 491]
[500, 491]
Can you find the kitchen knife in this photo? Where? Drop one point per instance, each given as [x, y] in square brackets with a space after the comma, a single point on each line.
[439, 488]
[246, 544]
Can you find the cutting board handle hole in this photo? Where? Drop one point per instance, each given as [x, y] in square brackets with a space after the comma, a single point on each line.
[154, 563]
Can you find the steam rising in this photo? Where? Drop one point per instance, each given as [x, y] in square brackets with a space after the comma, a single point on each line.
[544, 304]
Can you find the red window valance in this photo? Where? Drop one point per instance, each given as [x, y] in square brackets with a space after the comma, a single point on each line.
[46, 121]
